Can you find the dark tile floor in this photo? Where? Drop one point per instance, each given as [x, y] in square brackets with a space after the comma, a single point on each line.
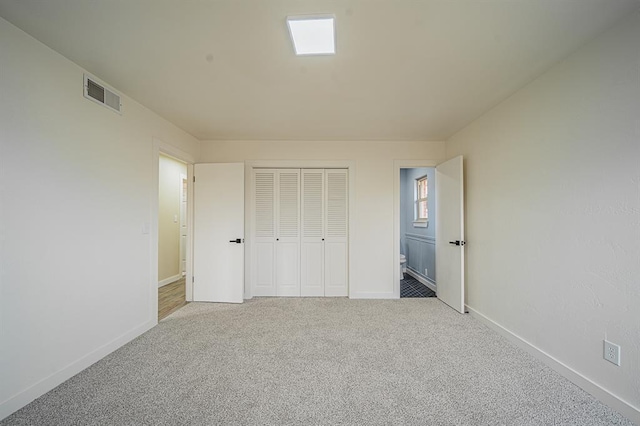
[410, 287]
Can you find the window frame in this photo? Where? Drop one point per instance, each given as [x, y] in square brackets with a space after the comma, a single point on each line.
[418, 220]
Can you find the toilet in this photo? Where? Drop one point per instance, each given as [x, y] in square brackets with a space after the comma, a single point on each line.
[403, 266]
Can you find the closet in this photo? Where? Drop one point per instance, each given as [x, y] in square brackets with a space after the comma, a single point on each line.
[299, 231]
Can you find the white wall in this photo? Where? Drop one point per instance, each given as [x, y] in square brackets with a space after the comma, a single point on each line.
[553, 211]
[75, 185]
[372, 265]
[170, 174]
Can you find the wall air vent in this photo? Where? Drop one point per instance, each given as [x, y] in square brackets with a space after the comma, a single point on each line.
[99, 93]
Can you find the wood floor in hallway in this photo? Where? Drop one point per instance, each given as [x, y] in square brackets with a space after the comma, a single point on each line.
[171, 297]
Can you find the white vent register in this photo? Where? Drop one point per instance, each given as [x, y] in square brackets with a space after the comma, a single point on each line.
[99, 93]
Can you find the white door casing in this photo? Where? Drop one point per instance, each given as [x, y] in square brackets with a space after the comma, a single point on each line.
[450, 233]
[218, 222]
[183, 224]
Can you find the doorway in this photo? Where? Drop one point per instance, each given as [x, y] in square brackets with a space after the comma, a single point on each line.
[417, 232]
[400, 171]
[179, 220]
[172, 234]
[450, 242]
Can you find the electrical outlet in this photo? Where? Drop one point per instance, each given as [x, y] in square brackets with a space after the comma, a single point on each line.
[612, 352]
[426, 272]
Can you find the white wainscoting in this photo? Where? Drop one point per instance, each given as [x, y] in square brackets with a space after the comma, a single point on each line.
[421, 254]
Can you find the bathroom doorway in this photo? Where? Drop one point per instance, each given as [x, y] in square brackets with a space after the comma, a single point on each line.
[417, 238]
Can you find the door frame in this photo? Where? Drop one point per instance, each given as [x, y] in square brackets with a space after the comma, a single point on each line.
[183, 218]
[169, 150]
[350, 165]
[397, 165]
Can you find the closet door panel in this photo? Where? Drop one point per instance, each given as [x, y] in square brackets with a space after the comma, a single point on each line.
[288, 212]
[264, 279]
[287, 262]
[312, 245]
[264, 231]
[335, 269]
[312, 269]
[287, 269]
[336, 235]
[336, 204]
[300, 245]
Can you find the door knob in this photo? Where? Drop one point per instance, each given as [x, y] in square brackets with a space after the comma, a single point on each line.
[237, 241]
[457, 243]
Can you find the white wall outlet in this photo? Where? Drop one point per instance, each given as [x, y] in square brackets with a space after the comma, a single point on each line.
[426, 272]
[612, 352]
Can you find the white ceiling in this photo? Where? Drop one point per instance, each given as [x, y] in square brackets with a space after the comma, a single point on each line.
[404, 70]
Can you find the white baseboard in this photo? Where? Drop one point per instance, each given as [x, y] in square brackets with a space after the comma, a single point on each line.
[366, 295]
[169, 280]
[23, 398]
[597, 391]
[423, 280]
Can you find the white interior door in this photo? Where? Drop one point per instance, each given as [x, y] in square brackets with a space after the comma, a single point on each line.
[218, 253]
[450, 233]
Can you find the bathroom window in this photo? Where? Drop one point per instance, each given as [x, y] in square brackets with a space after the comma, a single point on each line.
[421, 198]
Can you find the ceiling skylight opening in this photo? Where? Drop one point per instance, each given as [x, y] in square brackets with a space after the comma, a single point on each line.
[313, 35]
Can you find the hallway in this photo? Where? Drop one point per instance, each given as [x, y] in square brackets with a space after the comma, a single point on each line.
[171, 297]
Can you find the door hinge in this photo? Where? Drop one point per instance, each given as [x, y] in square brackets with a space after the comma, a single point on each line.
[193, 279]
[194, 179]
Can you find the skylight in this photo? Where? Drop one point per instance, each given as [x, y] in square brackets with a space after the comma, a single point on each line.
[313, 35]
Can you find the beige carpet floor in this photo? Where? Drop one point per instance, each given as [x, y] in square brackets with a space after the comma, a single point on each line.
[277, 361]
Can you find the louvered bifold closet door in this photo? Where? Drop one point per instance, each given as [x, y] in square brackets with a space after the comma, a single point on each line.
[288, 233]
[312, 244]
[336, 234]
[264, 230]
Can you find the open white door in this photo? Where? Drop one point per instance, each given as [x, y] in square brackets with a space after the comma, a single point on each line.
[450, 233]
[218, 252]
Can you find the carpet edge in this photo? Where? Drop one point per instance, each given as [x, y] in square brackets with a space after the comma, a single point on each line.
[600, 393]
[36, 390]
